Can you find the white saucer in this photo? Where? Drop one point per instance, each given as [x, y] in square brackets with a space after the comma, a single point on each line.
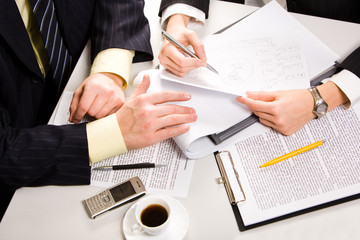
[177, 228]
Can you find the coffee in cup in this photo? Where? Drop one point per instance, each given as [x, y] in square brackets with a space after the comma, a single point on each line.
[152, 215]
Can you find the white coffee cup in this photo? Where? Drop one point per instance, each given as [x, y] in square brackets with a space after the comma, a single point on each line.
[152, 214]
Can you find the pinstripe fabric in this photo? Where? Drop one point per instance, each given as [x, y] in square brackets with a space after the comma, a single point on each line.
[37, 156]
[128, 22]
[59, 57]
[31, 152]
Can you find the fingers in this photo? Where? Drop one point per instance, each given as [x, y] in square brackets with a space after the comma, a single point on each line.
[169, 96]
[255, 105]
[285, 111]
[188, 65]
[100, 109]
[182, 116]
[171, 132]
[80, 106]
[167, 109]
[175, 119]
[198, 46]
[73, 106]
[143, 86]
[167, 127]
[174, 60]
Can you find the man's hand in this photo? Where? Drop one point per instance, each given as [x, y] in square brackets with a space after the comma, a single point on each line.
[145, 119]
[99, 95]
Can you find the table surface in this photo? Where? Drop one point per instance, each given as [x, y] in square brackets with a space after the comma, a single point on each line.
[55, 212]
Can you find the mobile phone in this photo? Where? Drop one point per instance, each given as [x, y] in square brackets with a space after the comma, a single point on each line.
[114, 197]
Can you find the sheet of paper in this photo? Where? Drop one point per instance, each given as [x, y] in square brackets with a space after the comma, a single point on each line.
[272, 18]
[216, 112]
[172, 180]
[249, 62]
[266, 29]
[324, 174]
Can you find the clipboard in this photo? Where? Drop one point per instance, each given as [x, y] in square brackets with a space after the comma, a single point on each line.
[234, 201]
[224, 158]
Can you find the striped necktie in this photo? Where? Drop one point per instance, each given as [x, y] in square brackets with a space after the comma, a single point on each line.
[59, 57]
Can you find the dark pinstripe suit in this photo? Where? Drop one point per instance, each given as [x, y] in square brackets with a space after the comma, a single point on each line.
[346, 10]
[34, 154]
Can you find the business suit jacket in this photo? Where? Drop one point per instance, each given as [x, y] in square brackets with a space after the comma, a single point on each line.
[346, 10]
[32, 153]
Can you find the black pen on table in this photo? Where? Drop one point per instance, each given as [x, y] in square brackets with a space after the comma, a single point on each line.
[131, 166]
[185, 49]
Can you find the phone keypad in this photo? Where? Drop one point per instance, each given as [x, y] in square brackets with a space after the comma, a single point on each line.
[99, 202]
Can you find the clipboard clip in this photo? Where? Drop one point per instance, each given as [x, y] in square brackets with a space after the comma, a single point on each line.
[225, 180]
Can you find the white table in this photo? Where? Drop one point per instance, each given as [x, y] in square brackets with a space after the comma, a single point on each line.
[55, 212]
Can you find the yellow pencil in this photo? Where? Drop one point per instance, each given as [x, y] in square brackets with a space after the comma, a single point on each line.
[293, 153]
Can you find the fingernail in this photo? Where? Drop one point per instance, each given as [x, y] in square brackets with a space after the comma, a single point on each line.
[187, 95]
[193, 117]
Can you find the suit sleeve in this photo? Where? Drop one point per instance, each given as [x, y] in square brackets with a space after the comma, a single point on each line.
[202, 5]
[43, 155]
[352, 62]
[121, 24]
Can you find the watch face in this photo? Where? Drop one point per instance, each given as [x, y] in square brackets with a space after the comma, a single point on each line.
[321, 109]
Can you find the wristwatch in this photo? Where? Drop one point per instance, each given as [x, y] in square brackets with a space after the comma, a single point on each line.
[320, 106]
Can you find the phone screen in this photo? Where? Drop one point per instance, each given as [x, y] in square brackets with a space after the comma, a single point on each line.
[122, 191]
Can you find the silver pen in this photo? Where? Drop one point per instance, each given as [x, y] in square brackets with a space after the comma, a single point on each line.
[131, 166]
[185, 49]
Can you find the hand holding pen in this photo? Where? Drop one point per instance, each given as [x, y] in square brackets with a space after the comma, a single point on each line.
[172, 57]
[185, 49]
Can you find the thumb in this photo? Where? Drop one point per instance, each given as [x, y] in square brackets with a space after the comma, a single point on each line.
[262, 96]
[143, 86]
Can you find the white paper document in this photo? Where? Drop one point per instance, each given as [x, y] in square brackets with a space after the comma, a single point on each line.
[216, 112]
[249, 63]
[326, 173]
[267, 50]
[172, 180]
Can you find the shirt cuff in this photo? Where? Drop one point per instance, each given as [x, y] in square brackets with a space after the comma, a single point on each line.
[197, 17]
[114, 60]
[104, 139]
[349, 84]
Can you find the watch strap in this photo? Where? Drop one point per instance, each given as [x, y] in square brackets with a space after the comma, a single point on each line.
[319, 101]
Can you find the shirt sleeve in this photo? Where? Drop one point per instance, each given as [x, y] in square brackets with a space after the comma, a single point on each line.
[349, 84]
[197, 19]
[104, 139]
[114, 60]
